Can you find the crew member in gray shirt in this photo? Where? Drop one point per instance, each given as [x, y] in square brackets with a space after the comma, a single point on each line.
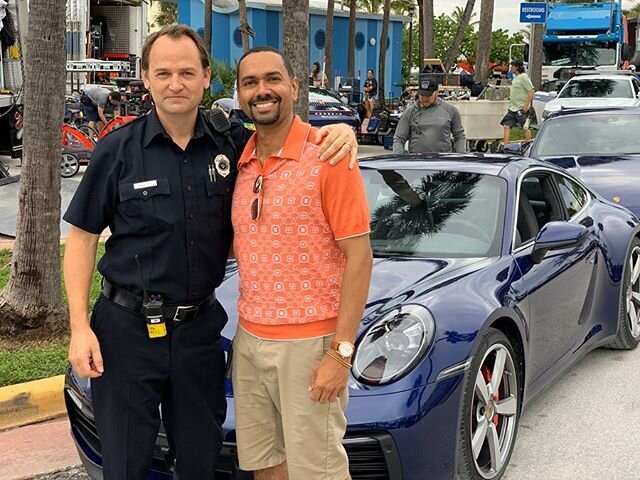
[95, 100]
[430, 123]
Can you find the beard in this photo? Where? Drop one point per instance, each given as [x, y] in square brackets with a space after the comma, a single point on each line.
[265, 118]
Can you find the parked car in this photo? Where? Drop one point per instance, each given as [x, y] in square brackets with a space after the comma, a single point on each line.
[599, 146]
[612, 90]
[548, 91]
[492, 276]
[326, 107]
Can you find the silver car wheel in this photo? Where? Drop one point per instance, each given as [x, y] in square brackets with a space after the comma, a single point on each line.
[633, 293]
[494, 409]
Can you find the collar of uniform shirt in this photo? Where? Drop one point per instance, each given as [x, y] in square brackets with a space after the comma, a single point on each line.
[292, 149]
[153, 129]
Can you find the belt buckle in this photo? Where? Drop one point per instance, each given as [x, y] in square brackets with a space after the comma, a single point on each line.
[186, 309]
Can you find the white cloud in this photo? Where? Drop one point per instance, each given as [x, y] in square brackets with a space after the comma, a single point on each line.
[506, 12]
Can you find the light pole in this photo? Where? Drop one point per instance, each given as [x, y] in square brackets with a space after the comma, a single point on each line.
[411, 9]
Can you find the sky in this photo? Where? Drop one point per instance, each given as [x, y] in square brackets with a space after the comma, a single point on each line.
[506, 12]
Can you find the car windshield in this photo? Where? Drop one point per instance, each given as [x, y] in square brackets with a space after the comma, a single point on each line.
[585, 54]
[607, 133]
[435, 213]
[597, 87]
[317, 95]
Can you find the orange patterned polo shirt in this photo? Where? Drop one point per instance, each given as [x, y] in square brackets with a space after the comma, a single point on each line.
[289, 261]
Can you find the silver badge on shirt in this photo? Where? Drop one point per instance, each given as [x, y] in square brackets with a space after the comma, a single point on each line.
[223, 165]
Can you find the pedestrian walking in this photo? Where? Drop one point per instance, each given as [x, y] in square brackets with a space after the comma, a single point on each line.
[430, 124]
[520, 112]
[370, 89]
[302, 297]
[163, 184]
[318, 77]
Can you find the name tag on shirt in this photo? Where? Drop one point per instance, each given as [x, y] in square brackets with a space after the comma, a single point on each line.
[147, 184]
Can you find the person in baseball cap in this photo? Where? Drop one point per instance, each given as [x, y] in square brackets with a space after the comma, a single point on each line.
[439, 125]
[427, 85]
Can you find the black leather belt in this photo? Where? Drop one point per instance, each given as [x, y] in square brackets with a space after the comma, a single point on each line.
[176, 313]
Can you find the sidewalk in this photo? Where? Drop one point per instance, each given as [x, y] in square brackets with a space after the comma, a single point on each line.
[36, 449]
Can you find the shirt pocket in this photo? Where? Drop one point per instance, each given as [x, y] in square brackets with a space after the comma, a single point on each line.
[219, 193]
[139, 206]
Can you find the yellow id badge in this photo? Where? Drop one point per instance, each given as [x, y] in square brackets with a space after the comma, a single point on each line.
[157, 330]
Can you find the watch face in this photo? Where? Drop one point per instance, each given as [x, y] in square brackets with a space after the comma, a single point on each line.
[345, 349]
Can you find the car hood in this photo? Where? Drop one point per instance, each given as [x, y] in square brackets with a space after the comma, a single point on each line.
[394, 281]
[586, 102]
[616, 178]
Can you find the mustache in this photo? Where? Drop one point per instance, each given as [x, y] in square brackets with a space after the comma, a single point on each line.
[265, 98]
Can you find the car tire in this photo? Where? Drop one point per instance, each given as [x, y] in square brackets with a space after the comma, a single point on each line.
[628, 334]
[69, 165]
[482, 146]
[490, 410]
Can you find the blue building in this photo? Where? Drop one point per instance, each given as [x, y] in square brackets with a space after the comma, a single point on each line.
[265, 17]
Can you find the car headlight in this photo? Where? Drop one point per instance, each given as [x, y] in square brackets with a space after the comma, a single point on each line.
[394, 345]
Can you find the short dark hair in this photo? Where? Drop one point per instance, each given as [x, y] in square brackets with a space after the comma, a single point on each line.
[265, 48]
[115, 96]
[175, 32]
[370, 70]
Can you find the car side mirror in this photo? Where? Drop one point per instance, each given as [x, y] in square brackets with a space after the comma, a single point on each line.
[515, 148]
[555, 236]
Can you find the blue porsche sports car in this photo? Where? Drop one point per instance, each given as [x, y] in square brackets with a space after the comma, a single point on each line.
[492, 275]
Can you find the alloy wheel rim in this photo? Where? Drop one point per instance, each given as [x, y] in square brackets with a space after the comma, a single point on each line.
[633, 294]
[494, 410]
[68, 165]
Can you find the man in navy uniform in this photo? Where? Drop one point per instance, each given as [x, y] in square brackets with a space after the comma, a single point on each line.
[163, 185]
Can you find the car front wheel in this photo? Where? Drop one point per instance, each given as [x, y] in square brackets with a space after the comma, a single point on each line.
[490, 410]
[628, 334]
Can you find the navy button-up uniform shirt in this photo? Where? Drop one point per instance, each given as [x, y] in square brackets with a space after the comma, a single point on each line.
[163, 206]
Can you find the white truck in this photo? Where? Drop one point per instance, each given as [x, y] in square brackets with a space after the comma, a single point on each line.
[103, 38]
[12, 37]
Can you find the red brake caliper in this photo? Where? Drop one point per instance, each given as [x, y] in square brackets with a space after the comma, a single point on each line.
[486, 373]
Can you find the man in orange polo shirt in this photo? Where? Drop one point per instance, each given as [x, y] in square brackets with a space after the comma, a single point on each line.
[302, 244]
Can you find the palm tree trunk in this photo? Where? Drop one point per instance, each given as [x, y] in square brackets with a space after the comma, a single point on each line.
[421, 34]
[207, 24]
[484, 41]
[429, 42]
[244, 24]
[452, 56]
[383, 50]
[351, 54]
[32, 297]
[295, 14]
[328, 43]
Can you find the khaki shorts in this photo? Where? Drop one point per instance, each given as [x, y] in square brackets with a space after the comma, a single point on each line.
[273, 409]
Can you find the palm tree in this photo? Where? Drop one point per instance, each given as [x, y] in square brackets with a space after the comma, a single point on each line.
[207, 24]
[295, 15]
[245, 29]
[463, 22]
[429, 44]
[351, 53]
[328, 42]
[484, 41]
[32, 297]
[421, 33]
[458, 15]
[383, 49]
[633, 12]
